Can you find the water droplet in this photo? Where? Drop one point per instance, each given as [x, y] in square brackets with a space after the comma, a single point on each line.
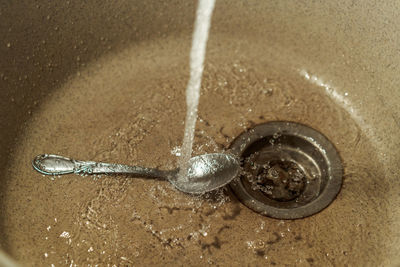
[276, 135]
[65, 234]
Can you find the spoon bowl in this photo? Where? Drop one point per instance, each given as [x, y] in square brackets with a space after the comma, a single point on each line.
[205, 172]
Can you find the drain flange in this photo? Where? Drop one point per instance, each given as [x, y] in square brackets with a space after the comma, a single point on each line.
[289, 170]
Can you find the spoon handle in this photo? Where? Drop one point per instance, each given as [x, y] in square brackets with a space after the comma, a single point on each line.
[58, 165]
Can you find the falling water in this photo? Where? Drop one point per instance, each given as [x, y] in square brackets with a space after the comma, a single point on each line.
[197, 54]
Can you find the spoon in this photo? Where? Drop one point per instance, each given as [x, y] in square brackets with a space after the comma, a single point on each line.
[205, 172]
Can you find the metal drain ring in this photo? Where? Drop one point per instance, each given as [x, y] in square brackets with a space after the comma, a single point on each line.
[308, 149]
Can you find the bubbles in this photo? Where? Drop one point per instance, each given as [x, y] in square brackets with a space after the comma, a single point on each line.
[277, 135]
[65, 234]
[272, 141]
[176, 151]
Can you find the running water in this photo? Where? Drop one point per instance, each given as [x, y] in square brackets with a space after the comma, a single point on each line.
[197, 54]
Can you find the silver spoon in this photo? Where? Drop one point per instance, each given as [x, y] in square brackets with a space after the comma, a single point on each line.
[205, 173]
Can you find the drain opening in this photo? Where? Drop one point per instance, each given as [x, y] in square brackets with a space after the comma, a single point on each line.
[289, 170]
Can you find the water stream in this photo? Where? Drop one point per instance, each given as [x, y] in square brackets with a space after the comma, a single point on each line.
[197, 55]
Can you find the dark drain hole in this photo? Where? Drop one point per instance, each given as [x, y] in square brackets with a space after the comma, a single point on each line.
[289, 170]
[277, 179]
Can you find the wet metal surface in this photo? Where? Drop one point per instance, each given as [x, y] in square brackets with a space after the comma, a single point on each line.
[290, 171]
[206, 172]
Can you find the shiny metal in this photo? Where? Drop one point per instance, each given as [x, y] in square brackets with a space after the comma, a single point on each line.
[290, 170]
[206, 172]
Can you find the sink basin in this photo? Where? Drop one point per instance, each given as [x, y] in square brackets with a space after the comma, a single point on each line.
[105, 81]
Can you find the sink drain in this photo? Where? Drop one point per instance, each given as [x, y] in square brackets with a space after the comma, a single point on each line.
[289, 170]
